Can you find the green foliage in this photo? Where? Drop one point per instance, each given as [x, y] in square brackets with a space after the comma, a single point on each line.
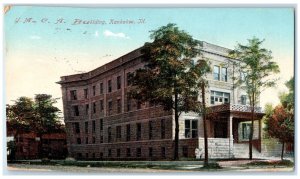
[288, 99]
[255, 66]
[280, 121]
[170, 70]
[268, 113]
[39, 116]
[20, 114]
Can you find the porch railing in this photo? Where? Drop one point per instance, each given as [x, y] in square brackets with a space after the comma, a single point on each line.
[233, 107]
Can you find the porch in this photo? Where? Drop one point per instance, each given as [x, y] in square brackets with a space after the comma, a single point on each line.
[228, 128]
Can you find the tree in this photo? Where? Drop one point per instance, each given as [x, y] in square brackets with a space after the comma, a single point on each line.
[19, 115]
[281, 125]
[38, 116]
[169, 77]
[288, 99]
[255, 66]
[47, 115]
[201, 69]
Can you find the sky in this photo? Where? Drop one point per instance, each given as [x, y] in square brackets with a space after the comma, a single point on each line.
[43, 43]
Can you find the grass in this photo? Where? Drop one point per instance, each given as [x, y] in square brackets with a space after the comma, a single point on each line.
[274, 163]
[108, 164]
[211, 166]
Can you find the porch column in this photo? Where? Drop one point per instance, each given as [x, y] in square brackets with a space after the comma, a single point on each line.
[230, 135]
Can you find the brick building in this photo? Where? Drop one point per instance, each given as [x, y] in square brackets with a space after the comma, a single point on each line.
[102, 123]
[30, 146]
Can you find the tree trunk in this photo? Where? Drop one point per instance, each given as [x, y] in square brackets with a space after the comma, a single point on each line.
[176, 157]
[282, 150]
[204, 125]
[251, 132]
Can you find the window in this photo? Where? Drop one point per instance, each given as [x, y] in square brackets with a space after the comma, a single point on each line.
[118, 132]
[94, 90]
[217, 97]
[150, 129]
[94, 107]
[94, 155]
[243, 99]
[78, 140]
[138, 152]
[101, 105]
[190, 128]
[139, 104]
[101, 139]
[73, 95]
[138, 131]
[101, 88]
[163, 128]
[150, 150]
[101, 154]
[109, 134]
[216, 73]
[76, 110]
[129, 78]
[94, 140]
[110, 107]
[109, 152]
[185, 151]
[77, 128]
[119, 105]
[101, 124]
[128, 152]
[246, 129]
[86, 127]
[86, 155]
[86, 140]
[86, 93]
[109, 86]
[128, 104]
[224, 74]
[118, 152]
[163, 152]
[128, 132]
[93, 126]
[119, 82]
[87, 109]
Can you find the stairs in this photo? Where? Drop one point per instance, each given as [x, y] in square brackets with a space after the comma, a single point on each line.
[241, 150]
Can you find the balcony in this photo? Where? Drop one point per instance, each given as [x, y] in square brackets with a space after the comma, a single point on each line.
[232, 108]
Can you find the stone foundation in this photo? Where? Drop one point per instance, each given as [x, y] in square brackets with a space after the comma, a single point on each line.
[217, 148]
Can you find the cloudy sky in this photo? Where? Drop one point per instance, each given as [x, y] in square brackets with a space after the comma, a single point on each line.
[44, 43]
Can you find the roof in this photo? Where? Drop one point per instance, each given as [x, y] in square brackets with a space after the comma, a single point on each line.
[207, 47]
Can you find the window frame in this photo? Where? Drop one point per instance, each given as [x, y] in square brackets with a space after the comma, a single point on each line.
[224, 77]
[73, 94]
[216, 73]
[189, 131]
[119, 82]
[219, 96]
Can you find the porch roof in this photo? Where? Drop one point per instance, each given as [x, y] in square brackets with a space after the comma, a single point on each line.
[236, 110]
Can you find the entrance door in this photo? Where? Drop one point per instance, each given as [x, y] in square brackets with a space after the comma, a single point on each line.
[220, 129]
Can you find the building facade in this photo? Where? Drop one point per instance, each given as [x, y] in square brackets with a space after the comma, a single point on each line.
[31, 146]
[102, 123]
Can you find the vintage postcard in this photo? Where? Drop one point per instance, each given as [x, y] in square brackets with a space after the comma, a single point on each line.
[149, 90]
